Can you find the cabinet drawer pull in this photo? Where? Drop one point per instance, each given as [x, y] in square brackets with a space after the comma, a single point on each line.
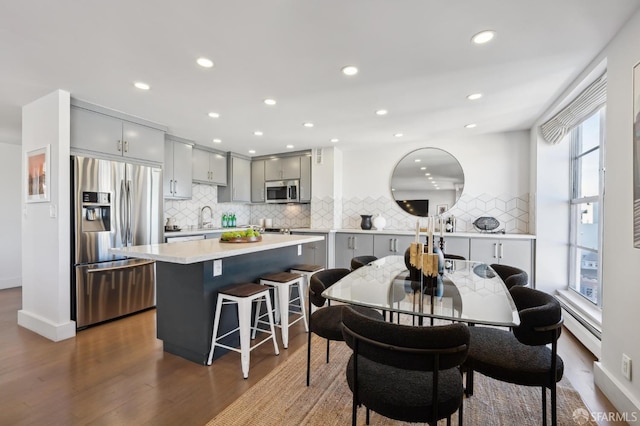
[126, 146]
[119, 146]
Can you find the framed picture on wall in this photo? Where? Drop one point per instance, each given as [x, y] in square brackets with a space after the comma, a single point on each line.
[37, 175]
[636, 156]
[442, 209]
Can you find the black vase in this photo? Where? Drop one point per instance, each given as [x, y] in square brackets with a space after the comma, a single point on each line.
[366, 221]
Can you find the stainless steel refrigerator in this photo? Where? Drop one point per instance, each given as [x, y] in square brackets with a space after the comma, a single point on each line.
[114, 204]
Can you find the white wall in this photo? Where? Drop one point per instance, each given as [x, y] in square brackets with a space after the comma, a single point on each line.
[494, 164]
[45, 226]
[621, 262]
[10, 243]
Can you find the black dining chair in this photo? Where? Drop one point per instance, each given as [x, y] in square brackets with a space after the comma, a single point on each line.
[404, 372]
[454, 257]
[511, 275]
[521, 355]
[326, 321]
[360, 261]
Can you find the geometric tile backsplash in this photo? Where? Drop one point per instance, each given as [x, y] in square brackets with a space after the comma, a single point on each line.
[511, 211]
[328, 213]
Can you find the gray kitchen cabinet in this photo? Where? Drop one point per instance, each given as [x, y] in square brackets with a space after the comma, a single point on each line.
[257, 181]
[350, 245]
[177, 169]
[456, 245]
[100, 133]
[314, 253]
[209, 167]
[278, 168]
[391, 245]
[238, 189]
[512, 252]
[305, 178]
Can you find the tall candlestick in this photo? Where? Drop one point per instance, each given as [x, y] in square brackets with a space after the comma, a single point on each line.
[441, 226]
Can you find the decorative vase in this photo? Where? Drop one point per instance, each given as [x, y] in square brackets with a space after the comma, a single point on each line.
[366, 221]
[379, 222]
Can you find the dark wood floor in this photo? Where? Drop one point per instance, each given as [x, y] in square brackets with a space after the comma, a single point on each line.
[117, 374]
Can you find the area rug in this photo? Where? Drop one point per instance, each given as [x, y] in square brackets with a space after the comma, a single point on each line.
[282, 398]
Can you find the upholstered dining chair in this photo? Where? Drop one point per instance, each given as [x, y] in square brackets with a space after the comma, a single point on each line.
[360, 261]
[511, 275]
[326, 321]
[521, 356]
[404, 372]
[454, 257]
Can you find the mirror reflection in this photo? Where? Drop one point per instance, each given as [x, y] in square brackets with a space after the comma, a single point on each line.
[427, 182]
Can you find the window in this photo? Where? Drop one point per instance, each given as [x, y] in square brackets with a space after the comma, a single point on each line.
[587, 151]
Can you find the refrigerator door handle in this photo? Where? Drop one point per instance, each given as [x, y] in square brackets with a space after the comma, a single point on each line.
[123, 207]
[129, 227]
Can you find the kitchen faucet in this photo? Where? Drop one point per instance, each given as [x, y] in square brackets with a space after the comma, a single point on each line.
[201, 222]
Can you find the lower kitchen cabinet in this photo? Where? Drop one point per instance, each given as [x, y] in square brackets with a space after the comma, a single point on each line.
[456, 245]
[391, 245]
[314, 253]
[518, 253]
[350, 245]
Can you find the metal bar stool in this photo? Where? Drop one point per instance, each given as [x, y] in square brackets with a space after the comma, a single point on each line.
[307, 271]
[282, 283]
[243, 295]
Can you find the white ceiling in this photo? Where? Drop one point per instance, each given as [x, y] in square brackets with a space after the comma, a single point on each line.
[415, 60]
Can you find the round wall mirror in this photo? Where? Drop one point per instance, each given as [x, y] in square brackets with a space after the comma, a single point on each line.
[427, 182]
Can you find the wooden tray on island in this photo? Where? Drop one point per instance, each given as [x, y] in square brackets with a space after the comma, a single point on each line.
[243, 240]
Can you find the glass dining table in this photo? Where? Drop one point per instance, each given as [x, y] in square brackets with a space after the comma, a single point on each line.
[465, 291]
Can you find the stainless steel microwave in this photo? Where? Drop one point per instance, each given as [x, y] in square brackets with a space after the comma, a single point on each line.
[282, 191]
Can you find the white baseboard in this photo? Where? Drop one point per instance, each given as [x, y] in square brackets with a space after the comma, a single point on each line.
[46, 328]
[626, 404]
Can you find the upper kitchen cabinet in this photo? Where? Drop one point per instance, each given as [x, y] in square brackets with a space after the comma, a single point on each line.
[257, 181]
[209, 167]
[238, 189]
[279, 168]
[177, 168]
[305, 179]
[94, 130]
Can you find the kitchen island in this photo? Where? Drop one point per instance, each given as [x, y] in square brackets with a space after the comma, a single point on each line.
[189, 275]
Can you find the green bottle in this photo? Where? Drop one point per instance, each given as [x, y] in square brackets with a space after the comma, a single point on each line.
[224, 220]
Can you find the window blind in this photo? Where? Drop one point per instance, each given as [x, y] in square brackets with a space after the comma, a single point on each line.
[585, 104]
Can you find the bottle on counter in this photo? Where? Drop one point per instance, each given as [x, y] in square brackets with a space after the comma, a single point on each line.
[224, 220]
[233, 220]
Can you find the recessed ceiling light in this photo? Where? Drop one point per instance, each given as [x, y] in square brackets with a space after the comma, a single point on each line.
[417, 160]
[398, 135]
[270, 101]
[258, 133]
[474, 96]
[470, 126]
[307, 124]
[423, 168]
[216, 140]
[483, 37]
[349, 70]
[427, 174]
[142, 86]
[252, 151]
[334, 140]
[382, 112]
[214, 115]
[430, 177]
[205, 62]
[289, 146]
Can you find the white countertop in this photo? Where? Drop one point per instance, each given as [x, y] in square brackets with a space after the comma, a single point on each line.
[203, 250]
[406, 232]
